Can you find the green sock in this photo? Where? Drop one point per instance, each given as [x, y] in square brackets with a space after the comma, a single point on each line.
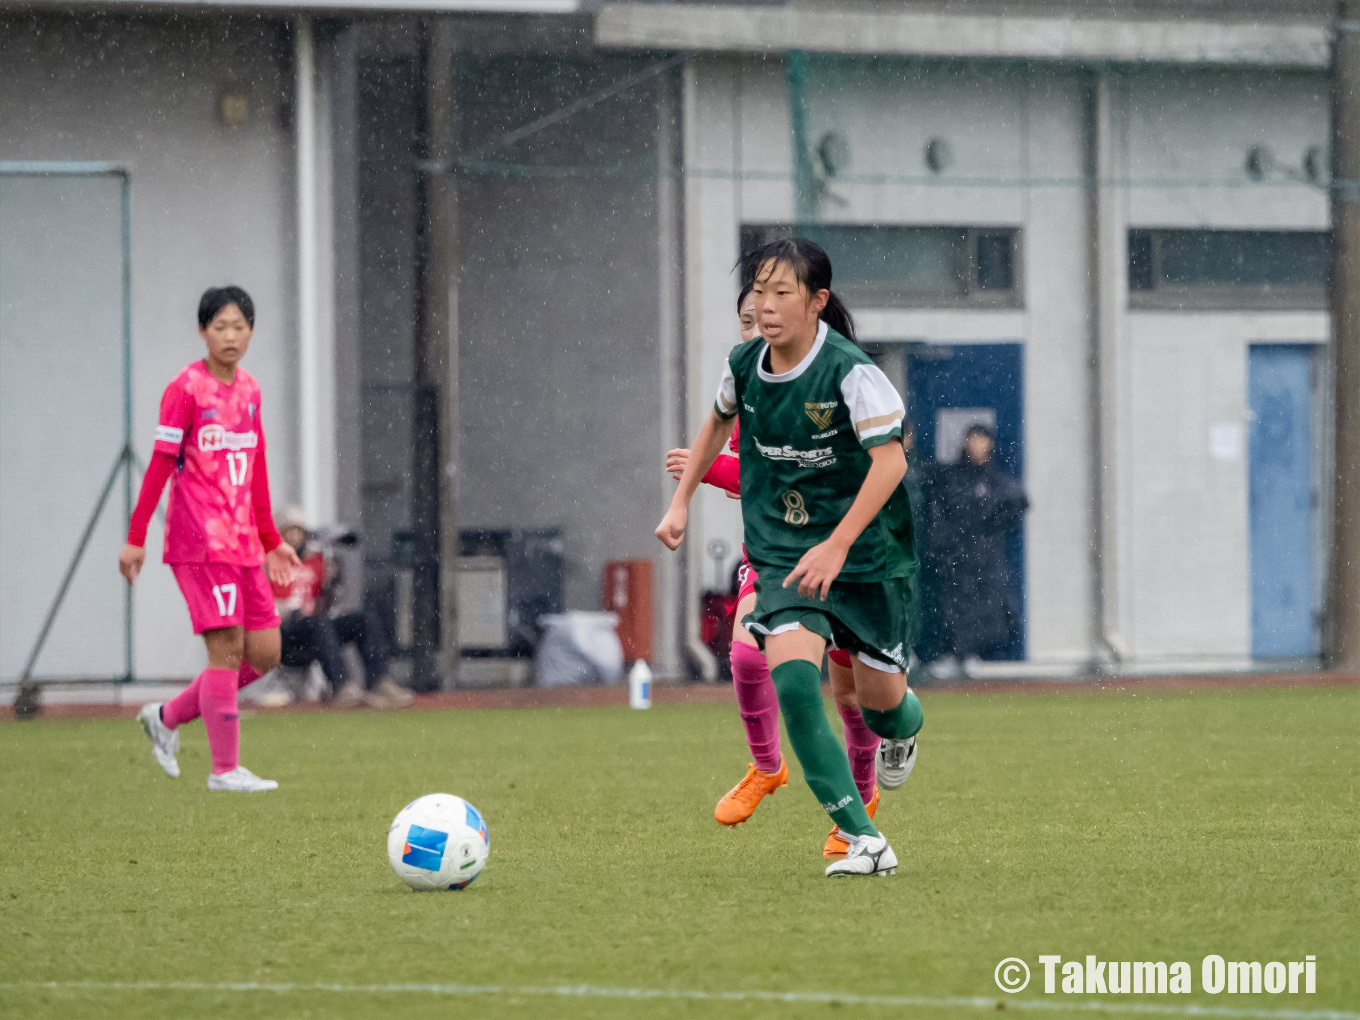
[896, 723]
[827, 770]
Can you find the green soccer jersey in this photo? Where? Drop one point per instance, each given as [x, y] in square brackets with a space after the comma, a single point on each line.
[805, 437]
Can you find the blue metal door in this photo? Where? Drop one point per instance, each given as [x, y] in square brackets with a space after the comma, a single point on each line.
[948, 386]
[1283, 585]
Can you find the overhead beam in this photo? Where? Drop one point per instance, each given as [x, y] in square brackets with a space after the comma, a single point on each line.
[700, 27]
[1342, 620]
[309, 6]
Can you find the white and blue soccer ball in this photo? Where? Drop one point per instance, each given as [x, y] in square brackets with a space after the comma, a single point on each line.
[438, 842]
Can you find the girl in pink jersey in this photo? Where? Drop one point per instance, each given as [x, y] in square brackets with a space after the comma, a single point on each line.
[220, 538]
[756, 699]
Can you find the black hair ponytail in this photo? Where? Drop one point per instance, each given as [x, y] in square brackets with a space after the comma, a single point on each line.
[812, 266]
[838, 317]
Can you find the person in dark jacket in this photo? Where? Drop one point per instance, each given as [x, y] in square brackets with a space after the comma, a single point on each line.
[973, 504]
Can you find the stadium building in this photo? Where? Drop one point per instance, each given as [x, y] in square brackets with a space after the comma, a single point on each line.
[490, 245]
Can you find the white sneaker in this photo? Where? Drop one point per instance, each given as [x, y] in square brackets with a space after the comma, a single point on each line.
[240, 780]
[164, 740]
[894, 762]
[947, 668]
[396, 695]
[351, 695]
[972, 667]
[868, 855]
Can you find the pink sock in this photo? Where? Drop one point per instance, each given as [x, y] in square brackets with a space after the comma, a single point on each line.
[183, 707]
[217, 700]
[248, 675]
[861, 744]
[758, 704]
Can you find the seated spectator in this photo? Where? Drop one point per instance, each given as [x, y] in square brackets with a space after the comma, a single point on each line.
[310, 632]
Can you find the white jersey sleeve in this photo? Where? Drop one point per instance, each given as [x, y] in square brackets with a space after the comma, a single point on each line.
[725, 406]
[874, 405]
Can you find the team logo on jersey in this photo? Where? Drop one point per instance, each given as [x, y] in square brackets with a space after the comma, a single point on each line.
[821, 413]
[212, 438]
[821, 457]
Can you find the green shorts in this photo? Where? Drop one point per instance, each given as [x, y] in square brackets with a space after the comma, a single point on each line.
[875, 620]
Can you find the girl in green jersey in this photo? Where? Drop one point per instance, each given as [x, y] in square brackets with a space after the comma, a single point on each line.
[827, 527]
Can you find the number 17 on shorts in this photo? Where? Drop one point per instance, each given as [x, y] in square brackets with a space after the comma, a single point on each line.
[225, 595]
[226, 599]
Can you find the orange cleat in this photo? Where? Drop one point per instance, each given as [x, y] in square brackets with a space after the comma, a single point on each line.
[836, 846]
[740, 802]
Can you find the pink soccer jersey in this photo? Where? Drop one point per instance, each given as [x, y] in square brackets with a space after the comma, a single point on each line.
[213, 429]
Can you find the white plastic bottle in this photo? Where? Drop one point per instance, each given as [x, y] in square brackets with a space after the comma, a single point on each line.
[640, 685]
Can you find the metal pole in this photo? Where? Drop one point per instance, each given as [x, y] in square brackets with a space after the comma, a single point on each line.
[425, 446]
[309, 361]
[1343, 620]
[126, 200]
[667, 660]
[804, 192]
[442, 345]
[71, 568]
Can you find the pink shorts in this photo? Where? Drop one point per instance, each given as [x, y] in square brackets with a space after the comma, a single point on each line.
[748, 581]
[748, 587]
[224, 595]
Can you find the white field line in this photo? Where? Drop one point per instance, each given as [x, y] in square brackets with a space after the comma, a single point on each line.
[597, 992]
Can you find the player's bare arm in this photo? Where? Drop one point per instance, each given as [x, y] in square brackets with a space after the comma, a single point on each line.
[821, 564]
[713, 436]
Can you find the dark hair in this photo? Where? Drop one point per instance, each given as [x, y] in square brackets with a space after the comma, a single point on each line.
[979, 428]
[743, 294]
[214, 299]
[746, 273]
[812, 266]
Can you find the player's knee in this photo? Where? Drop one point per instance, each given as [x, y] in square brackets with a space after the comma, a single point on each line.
[266, 659]
[226, 647]
[798, 685]
[915, 716]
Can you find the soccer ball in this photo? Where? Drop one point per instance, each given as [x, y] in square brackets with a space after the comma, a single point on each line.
[438, 842]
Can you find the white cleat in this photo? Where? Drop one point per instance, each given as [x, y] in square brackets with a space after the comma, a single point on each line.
[894, 762]
[240, 780]
[868, 855]
[164, 740]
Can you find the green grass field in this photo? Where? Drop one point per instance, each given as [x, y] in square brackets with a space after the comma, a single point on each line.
[1133, 826]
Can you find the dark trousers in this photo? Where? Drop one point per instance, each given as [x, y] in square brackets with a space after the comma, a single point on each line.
[318, 638]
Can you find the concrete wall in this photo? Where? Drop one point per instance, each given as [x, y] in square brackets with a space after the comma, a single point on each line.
[716, 144]
[1177, 557]
[1006, 128]
[389, 101]
[558, 312]
[1181, 566]
[210, 204]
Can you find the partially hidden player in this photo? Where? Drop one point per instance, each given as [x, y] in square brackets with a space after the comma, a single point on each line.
[827, 525]
[220, 538]
[756, 698]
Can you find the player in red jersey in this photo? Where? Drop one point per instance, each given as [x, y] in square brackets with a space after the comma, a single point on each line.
[219, 530]
[756, 697]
